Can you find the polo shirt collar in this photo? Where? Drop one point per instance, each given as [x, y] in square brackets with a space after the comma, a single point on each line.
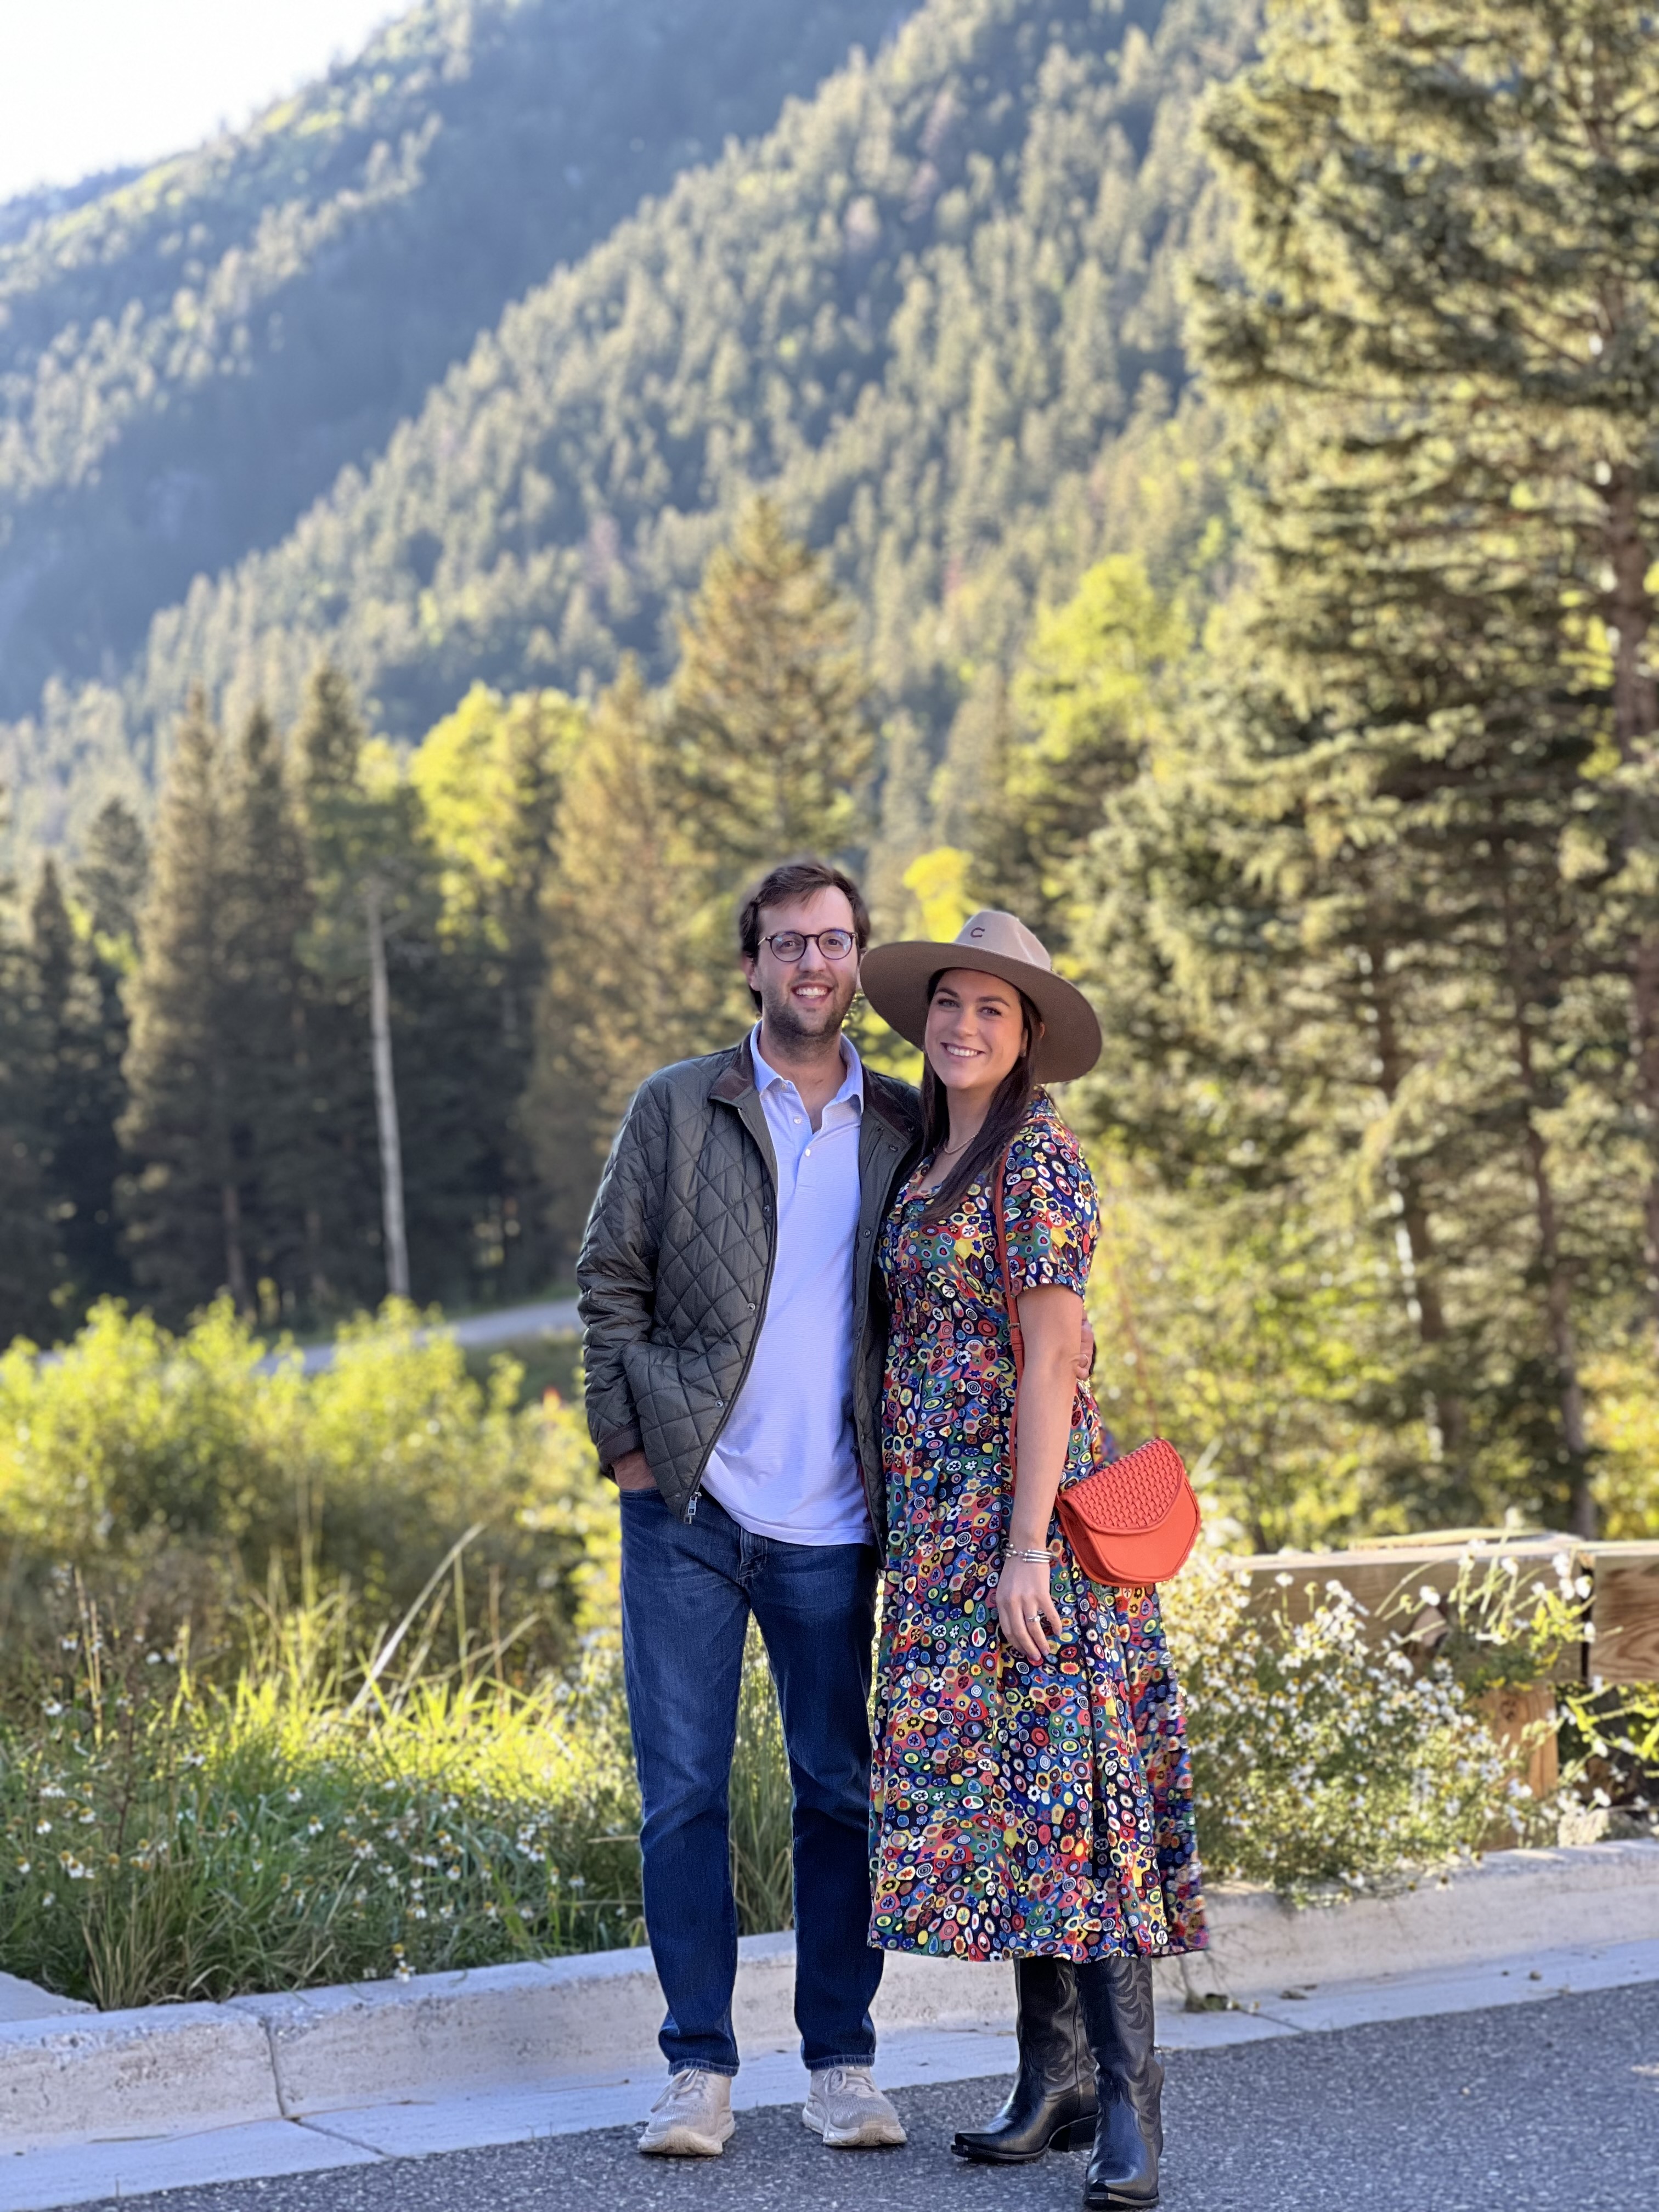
[852, 1082]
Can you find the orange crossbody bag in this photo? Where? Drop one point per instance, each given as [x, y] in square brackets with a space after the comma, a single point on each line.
[1133, 1520]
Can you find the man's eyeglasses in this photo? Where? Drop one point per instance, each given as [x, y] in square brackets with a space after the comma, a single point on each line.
[788, 944]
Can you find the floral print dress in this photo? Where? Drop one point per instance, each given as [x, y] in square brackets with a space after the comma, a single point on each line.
[1018, 1810]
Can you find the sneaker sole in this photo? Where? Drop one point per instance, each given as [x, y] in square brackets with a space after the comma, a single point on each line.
[681, 2142]
[875, 2135]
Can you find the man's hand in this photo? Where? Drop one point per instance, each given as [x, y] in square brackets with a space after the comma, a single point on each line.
[633, 1472]
[1085, 1358]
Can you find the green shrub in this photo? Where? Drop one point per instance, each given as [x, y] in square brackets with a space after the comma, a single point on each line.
[1321, 1755]
[183, 1464]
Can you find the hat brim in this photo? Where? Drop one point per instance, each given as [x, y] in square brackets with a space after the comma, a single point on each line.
[894, 980]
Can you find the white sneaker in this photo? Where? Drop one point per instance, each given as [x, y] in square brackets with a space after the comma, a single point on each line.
[692, 2119]
[847, 2110]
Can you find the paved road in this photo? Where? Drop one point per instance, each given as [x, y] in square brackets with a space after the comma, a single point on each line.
[551, 1317]
[1548, 2107]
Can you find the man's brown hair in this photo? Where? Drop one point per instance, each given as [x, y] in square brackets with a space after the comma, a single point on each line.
[796, 880]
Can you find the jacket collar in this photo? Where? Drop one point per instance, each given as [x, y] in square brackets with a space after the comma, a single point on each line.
[879, 1101]
[737, 1078]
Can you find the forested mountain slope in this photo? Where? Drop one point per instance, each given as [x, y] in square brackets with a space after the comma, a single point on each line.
[921, 312]
[25, 210]
[189, 358]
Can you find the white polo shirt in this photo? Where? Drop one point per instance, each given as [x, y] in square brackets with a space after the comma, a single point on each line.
[787, 1464]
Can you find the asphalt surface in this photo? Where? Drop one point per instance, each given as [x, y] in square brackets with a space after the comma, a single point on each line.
[1551, 2106]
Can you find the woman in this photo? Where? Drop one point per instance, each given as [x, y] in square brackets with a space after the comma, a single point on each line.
[1031, 1791]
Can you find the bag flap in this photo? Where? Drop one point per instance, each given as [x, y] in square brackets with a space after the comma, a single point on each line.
[1129, 1496]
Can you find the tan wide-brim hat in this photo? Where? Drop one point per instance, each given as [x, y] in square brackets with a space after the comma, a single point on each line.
[896, 978]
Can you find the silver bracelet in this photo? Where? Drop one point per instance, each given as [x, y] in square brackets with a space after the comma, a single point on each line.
[1041, 1558]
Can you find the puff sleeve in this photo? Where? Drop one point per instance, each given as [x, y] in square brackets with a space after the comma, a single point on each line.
[1050, 1208]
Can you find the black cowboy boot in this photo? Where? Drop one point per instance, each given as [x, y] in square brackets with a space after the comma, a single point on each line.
[1051, 2106]
[1117, 1997]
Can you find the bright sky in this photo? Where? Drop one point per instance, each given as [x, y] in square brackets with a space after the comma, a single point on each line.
[92, 84]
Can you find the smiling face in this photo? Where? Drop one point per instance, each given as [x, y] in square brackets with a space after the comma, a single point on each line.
[808, 999]
[976, 1032]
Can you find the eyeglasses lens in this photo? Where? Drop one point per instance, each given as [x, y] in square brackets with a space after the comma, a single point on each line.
[788, 944]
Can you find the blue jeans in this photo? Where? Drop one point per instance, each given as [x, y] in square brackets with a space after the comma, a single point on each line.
[687, 1594]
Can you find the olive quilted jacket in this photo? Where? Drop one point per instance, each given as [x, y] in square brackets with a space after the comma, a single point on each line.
[677, 1257]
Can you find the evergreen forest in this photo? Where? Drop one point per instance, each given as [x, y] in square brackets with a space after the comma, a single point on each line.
[1185, 470]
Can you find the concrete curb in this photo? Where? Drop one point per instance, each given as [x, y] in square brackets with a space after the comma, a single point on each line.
[20, 2000]
[172, 2068]
[138, 2073]
[1514, 1901]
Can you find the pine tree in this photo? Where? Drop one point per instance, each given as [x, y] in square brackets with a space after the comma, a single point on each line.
[344, 1263]
[490, 778]
[183, 1201]
[372, 885]
[31, 1265]
[81, 1095]
[109, 890]
[32, 1260]
[1097, 680]
[110, 880]
[770, 739]
[626, 990]
[1324, 1097]
[975, 808]
[267, 911]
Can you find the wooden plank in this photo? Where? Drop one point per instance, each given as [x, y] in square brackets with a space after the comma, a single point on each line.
[1625, 1612]
[1374, 1575]
[1523, 1720]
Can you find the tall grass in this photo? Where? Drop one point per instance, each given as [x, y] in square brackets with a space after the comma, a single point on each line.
[319, 1819]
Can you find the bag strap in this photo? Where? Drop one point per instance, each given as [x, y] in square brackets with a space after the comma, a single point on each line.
[1015, 1333]
[999, 1215]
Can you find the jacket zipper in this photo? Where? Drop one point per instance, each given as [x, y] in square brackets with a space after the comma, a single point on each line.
[760, 1308]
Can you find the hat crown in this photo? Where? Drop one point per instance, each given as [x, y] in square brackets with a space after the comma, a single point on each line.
[1005, 934]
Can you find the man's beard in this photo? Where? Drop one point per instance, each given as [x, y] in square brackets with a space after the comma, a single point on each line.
[786, 1019]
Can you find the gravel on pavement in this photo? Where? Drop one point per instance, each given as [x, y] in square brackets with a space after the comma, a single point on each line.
[1551, 2106]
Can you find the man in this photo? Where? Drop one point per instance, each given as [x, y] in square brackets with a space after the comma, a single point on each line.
[734, 1366]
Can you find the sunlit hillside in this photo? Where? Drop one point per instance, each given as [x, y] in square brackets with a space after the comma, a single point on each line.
[924, 310]
[190, 356]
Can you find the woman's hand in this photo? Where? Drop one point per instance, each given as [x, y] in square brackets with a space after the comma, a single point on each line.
[1026, 1610]
[1052, 1321]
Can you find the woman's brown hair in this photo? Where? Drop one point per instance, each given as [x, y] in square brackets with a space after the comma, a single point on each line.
[1010, 1103]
